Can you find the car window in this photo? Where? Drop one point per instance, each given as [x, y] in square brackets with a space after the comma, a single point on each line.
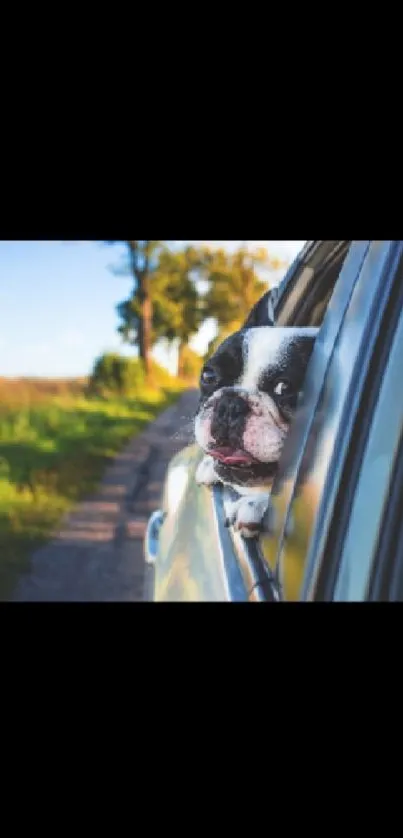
[310, 455]
[305, 295]
[335, 285]
[313, 278]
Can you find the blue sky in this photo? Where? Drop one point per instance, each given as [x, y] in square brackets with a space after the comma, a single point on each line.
[58, 304]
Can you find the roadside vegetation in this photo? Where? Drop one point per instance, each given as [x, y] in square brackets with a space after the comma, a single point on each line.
[57, 437]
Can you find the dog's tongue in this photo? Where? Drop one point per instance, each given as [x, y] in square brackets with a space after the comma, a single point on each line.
[231, 456]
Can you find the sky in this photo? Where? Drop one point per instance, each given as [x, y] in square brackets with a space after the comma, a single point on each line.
[58, 304]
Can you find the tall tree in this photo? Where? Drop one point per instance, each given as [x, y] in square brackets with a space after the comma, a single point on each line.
[177, 313]
[136, 312]
[174, 302]
[169, 301]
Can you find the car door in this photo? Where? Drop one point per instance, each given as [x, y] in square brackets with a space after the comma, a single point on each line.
[303, 299]
[362, 553]
[322, 450]
[195, 560]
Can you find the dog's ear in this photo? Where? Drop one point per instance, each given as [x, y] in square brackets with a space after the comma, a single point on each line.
[262, 313]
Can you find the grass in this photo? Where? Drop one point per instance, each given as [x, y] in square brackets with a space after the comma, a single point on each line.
[54, 446]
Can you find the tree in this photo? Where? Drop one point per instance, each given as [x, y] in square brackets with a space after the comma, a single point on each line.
[235, 284]
[177, 312]
[136, 312]
[168, 300]
[174, 300]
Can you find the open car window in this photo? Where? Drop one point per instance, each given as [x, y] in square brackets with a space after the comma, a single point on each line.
[302, 299]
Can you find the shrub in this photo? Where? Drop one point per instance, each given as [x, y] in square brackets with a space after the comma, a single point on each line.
[114, 374]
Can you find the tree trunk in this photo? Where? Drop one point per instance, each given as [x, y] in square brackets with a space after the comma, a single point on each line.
[145, 328]
[145, 319]
[247, 277]
[181, 349]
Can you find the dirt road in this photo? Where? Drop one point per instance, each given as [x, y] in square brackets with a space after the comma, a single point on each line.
[98, 554]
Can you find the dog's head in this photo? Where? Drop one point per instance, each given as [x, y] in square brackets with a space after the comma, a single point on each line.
[249, 391]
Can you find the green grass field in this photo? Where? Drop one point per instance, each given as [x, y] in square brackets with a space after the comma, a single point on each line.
[53, 451]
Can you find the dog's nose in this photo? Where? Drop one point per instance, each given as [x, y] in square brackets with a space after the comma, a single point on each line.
[232, 408]
[229, 419]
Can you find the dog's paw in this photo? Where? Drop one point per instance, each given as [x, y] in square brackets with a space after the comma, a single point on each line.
[249, 515]
[205, 472]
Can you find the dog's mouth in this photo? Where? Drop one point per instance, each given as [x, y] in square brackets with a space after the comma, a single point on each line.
[233, 456]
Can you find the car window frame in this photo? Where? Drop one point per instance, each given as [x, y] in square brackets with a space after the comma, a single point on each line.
[386, 583]
[376, 447]
[320, 585]
[295, 457]
[314, 558]
[314, 259]
[261, 584]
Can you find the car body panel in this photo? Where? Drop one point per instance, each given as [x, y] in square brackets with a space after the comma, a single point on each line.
[196, 561]
[289, 553]
[313, 449]
[377, 469]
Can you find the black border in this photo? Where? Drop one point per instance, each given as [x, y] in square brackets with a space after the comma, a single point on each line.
[144, 656]
[192, 199]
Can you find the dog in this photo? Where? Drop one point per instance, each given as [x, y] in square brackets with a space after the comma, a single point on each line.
[249, 391]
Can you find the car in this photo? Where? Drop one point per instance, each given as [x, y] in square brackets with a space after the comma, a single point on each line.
[338, 495]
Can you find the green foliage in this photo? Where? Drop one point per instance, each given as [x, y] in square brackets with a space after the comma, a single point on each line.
[177, 312]
[234, 286]
[141, 257]
[52, 453]
[136, 312]
[187, 287]
[115, 375]
[175, 301]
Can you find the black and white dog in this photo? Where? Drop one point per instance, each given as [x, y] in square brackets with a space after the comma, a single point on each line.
[249, 391]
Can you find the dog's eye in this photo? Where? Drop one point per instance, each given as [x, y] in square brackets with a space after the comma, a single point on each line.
[208, 376]
[282, 387]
